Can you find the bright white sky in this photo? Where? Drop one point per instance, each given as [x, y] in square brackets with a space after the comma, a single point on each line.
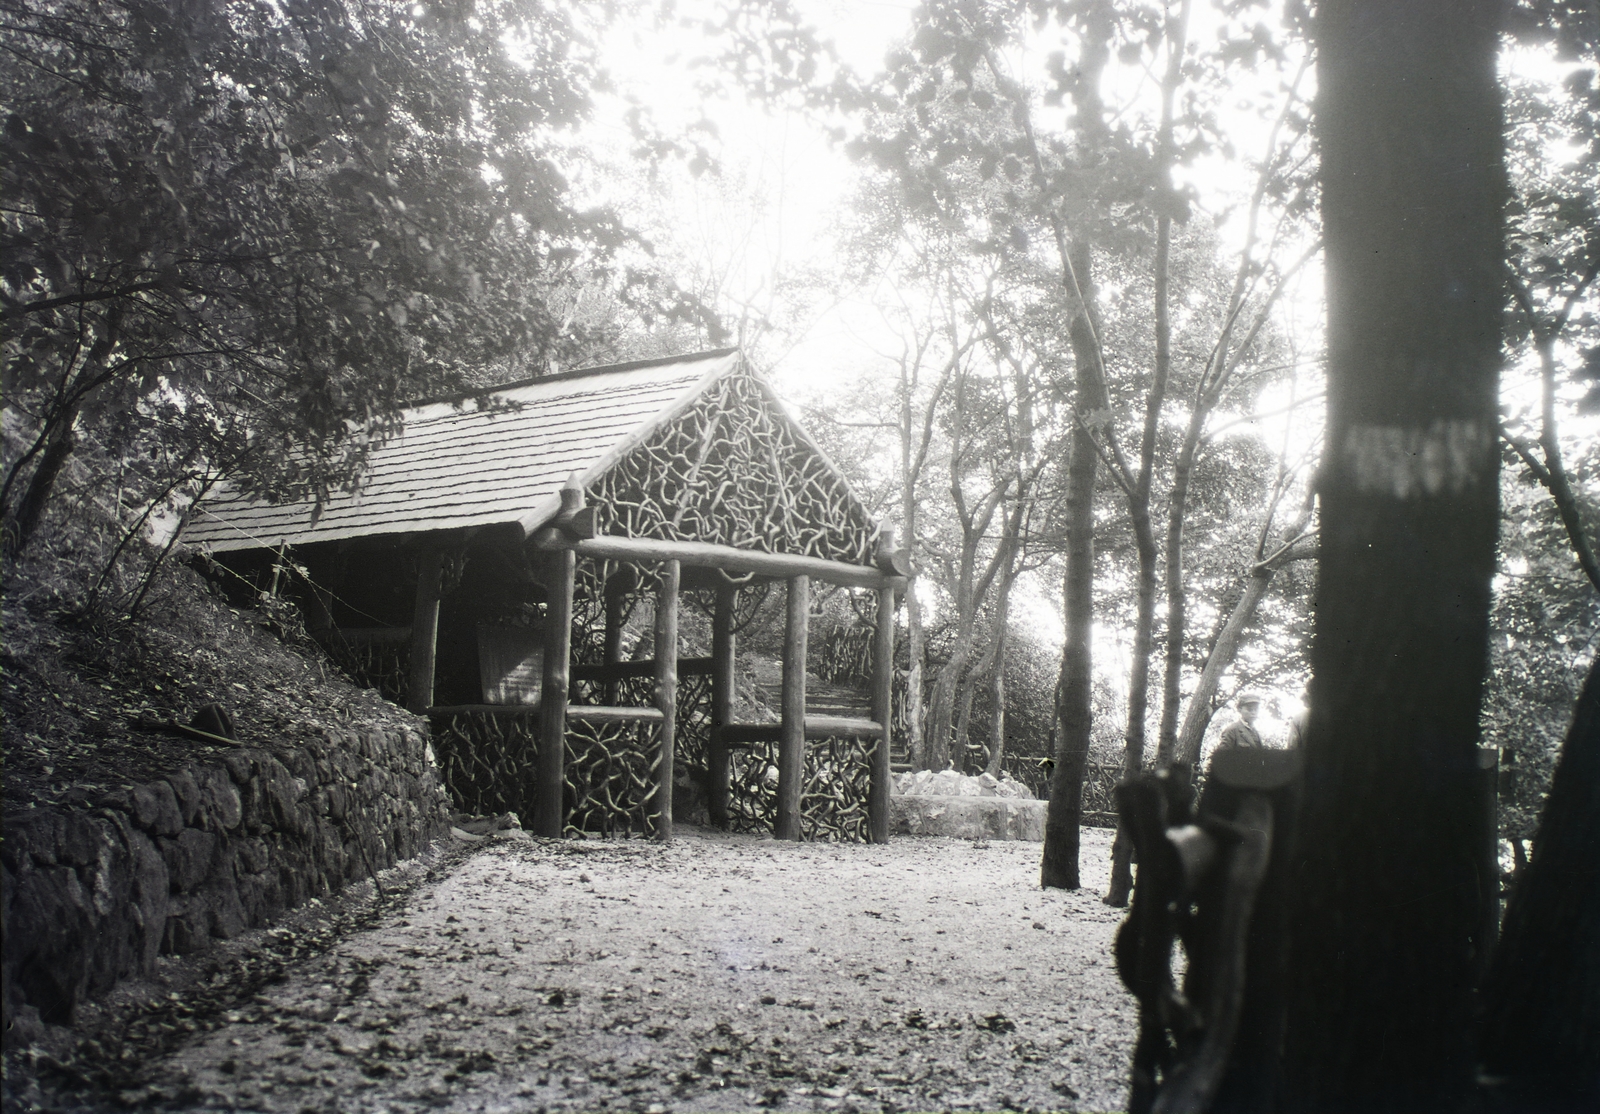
[772, 212]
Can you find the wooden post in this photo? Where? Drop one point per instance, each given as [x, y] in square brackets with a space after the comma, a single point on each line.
[425, 630]
[550, 818]
[613, 643]
[666, 693]
[722, 670]
[883, 712]
[792, 737]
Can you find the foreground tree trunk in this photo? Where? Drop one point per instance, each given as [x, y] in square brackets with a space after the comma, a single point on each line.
[1543, 996]
[1386, 905]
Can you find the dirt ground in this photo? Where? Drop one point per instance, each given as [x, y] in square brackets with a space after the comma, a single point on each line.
[717, 973]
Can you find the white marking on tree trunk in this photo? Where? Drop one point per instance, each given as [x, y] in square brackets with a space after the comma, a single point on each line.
[1448, 457]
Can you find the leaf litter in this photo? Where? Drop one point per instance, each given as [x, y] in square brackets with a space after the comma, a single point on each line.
[715, 973]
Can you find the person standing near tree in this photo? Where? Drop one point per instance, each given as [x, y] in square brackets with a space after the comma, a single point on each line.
[1242, 733]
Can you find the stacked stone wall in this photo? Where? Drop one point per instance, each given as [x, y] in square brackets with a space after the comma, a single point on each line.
[95, 895]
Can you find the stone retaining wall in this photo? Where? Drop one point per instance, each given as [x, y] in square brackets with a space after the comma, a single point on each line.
[95, 895]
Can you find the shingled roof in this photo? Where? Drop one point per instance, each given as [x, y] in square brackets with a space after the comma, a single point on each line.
[457, 465]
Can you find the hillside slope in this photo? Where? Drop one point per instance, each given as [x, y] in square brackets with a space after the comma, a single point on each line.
[78, 676]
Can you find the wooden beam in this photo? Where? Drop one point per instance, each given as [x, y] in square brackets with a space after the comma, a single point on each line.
[707, 556]
[623, 670]
[484, 709]
[878, 787]
[666, 694]
[581, 713]
[792, 739]
[549, 815]
[425, 630]
[816, 727]
[723, 644]
[607, 713]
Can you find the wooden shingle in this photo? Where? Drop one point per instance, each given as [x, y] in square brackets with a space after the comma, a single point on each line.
[457, 465]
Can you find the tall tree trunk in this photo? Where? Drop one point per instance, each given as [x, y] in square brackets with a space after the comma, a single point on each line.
[916, 651]
[58, 437]
[997, 701]
[916, 644]
[1139, 498]
[1138, 698]
[992, 659]
[953, 685]
[1386, 907]
[1177, 603]
[1074, 704]
[970, 590]
[916, 437]
[58, 448]
[941, 708]
[969, 690]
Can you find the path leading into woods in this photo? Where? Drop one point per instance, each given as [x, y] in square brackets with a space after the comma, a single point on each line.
[719, 973]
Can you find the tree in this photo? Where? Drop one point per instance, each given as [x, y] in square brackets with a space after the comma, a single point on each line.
[245, 234]
[1260, 279]
[1296, 543]
[956, 133]
[1543, 990]
[1553, 259]
[1546, 614]
[1385, 908]
[972, 405]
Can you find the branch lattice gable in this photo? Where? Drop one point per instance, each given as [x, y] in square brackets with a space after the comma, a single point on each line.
[734, 470]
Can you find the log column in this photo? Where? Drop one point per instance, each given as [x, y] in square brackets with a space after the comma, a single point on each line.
[425, 630]
[666, 694]
[792, 734]
[883, 712]
[613, 643]
[549, 817]
[723, 648]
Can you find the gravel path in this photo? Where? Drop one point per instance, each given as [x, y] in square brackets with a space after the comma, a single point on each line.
[718, 973]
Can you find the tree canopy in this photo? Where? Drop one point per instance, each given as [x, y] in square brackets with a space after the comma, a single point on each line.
[242, 234]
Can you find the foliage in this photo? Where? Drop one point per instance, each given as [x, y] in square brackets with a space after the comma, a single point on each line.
[1545, 618]
[1553, 258]
[239, 235]
[1545, 612]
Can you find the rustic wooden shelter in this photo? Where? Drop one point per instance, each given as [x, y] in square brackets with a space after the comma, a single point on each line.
[500, 558]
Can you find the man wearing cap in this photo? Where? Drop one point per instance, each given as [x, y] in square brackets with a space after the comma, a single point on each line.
[1242, 732]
